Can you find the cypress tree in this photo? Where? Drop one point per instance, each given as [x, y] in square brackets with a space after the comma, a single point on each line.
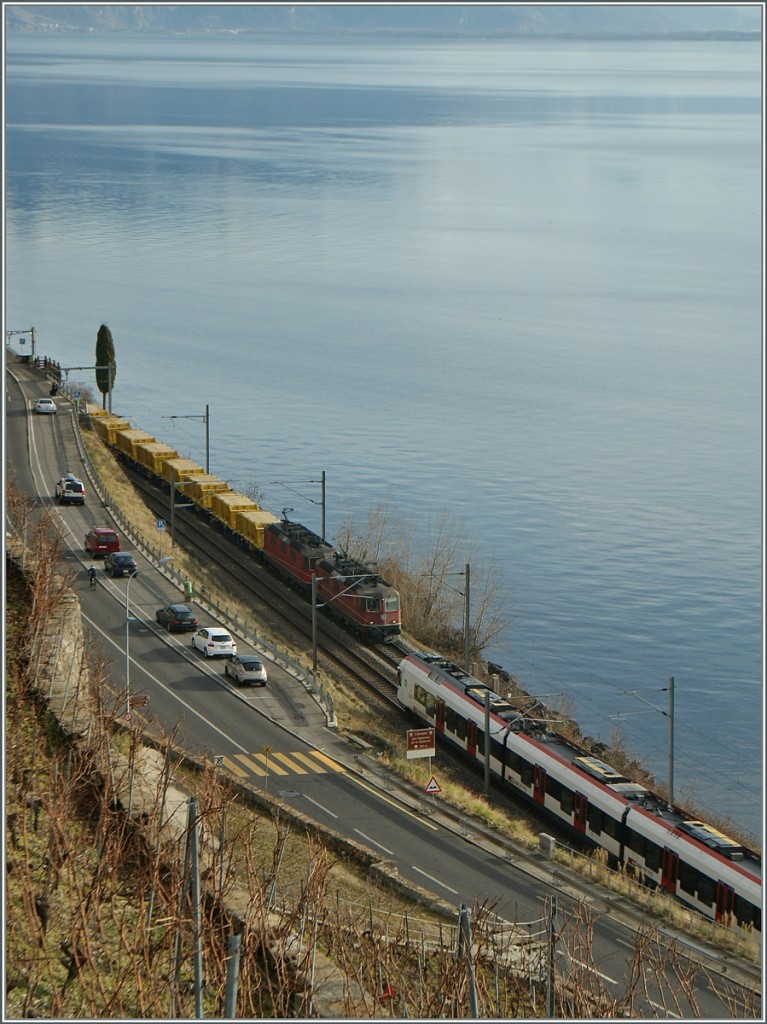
[105, 358]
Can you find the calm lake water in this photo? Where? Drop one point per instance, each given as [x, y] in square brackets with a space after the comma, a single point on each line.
[519, 282]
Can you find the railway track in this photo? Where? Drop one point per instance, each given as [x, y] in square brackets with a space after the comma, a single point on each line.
[279, 608]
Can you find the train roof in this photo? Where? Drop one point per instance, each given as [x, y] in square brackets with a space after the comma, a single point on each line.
[467, 688]
[339, 564]
[299, 536]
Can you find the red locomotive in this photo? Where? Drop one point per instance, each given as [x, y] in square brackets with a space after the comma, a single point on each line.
[351, 592]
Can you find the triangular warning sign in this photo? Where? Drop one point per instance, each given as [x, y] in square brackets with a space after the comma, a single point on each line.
[433, 786]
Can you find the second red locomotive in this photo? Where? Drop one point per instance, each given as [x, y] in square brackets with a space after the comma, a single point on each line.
[349, 591]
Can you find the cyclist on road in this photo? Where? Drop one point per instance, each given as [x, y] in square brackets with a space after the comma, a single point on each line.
[92, 575]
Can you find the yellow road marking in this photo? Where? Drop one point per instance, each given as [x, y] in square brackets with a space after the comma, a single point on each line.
[234, 768]
[328, 761]
[286, 759]
[320, 769]
[256, 769]
[268, 762]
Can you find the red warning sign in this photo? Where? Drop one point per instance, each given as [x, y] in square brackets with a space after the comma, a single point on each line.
[432, 786]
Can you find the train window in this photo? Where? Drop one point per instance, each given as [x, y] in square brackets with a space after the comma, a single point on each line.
[455, 724]
[595, 819]
[373, 604]
[424, 698]
[635, 842]
[705, 890]
[513, 762]
[553, 788]
[651, 855]
[610, 826]
[566, 801]
[744, 911]
[688, 878]
[391, 604]
[526, 774]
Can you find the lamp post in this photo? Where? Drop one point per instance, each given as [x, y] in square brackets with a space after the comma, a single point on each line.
[162, 561]
[206, 420]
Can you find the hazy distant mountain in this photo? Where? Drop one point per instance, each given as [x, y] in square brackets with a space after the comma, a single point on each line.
[424, 19]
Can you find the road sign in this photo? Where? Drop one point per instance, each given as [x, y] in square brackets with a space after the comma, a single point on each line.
[140, 700]
[218, 760]
[76, 394]
[432, 786]
[160, 524]
[420, 743]
[128, 716]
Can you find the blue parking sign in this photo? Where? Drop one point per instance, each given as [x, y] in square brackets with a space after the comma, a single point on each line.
[160, 524]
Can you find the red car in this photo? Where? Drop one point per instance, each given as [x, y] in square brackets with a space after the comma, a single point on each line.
[101, 540]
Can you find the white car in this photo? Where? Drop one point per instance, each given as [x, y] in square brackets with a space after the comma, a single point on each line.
[45, 405]
[214, 641]
[246, 668]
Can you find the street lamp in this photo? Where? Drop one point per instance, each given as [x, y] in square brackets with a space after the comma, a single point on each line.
[315, 606]
[162, 561]
[206, 420]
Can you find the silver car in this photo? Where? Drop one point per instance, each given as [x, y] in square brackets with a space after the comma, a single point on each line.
[45, 405]
[214, 641]
[246, 668]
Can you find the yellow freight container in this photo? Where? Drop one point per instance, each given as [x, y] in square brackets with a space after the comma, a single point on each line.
[225, 503]
[180, 469]
[126, 440]
[106, 427]
[202, 487]
[251, 523]
[152, 454]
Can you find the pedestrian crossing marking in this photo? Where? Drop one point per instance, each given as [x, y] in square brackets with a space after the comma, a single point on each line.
[255, 769]
[320, 769]
[292, 765]
[277, 762]
[328, 761]
[268, 762]
[233, 768]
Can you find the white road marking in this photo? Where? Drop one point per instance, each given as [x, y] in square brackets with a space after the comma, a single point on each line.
[433, 879]
[369, 840]
[592, 970]
[664, 1009]
[322, 807]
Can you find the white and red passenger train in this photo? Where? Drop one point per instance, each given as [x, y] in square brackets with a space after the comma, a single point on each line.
[691, 860]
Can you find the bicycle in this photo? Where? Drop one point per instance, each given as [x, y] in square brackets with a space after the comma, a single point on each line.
[92, 576]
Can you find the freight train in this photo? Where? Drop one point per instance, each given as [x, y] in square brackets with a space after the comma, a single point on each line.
[354, 594]
[666, 848]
